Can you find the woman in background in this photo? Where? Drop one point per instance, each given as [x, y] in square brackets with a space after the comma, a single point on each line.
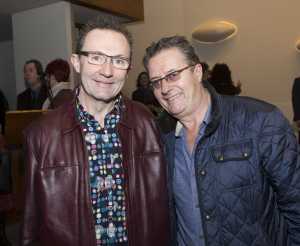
[144, 94]
[221, 80]
[59, 89]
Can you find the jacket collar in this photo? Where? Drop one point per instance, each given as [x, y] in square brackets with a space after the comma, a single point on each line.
[215, 109]
[70, 121]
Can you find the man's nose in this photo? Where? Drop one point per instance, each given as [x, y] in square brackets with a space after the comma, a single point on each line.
[164, 87]
[107, 68]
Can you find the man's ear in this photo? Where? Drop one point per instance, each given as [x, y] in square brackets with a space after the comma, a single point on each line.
[75, 61]
[198, 70]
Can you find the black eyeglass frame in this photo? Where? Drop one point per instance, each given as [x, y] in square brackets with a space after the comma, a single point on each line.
[156, 84]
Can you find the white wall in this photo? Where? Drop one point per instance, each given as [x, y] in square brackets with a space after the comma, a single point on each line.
[262, 55]
[161, 18]
[43, 33]
[7, 73]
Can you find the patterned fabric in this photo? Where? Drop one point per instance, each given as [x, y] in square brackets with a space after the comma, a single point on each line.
[106, 176]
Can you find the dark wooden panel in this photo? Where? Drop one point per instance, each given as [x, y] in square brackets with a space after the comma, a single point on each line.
[133, 9]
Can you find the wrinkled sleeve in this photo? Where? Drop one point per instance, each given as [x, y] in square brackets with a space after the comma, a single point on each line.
[281, 163]
[30, 224]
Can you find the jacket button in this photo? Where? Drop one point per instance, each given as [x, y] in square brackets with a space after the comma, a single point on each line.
[202, 172]
[207, 217]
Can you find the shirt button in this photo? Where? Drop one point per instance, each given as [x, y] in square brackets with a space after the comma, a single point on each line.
[221, 158]
[202, 172]
[245, 154]
[207, 217]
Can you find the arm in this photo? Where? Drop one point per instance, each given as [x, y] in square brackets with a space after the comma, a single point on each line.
[279, 153]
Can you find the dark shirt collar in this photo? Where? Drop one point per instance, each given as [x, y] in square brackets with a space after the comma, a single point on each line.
[83, 114]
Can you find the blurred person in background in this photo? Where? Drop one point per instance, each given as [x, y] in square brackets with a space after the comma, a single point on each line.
[59, 89]
[36, 93]
[144, 94]
[296, 105]
[3, 108]
[221, 80]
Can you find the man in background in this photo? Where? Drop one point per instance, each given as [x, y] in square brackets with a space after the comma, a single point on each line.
[36, 93]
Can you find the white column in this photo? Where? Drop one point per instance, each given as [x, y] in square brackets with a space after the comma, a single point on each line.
[44, 34]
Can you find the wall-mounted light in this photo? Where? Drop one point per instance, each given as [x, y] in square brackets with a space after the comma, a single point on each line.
[298, 45]
[211, 32]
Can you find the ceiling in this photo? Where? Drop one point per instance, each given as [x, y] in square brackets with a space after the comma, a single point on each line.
[9, 7]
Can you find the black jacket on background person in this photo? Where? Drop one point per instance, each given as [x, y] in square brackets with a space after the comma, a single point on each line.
[3, 108]
[28, 100]
[296, 99]
[296, 102]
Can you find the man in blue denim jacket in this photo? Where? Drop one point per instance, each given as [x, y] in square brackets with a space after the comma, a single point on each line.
[234, 167]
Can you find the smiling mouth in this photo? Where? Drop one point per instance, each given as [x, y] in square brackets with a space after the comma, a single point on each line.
[103, 82]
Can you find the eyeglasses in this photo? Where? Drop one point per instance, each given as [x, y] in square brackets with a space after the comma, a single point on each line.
[99, 58]
[171, 77]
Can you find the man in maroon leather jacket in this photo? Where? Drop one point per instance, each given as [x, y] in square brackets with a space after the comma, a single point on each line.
[100, 138]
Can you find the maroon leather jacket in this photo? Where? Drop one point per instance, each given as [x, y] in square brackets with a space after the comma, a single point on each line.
[57, 194]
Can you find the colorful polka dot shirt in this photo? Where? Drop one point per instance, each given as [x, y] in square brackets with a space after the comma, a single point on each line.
[106, 175]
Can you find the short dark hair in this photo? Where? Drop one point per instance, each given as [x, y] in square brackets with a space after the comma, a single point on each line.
[179, 42]
[104, 23]
[141, 74]
[60, 69]
[221, 73]
[38, 66]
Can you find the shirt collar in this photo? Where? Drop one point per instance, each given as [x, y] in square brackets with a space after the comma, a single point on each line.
[206, 120]
[83, 114]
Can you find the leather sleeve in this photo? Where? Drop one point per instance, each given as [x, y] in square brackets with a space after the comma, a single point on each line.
[30, 224]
